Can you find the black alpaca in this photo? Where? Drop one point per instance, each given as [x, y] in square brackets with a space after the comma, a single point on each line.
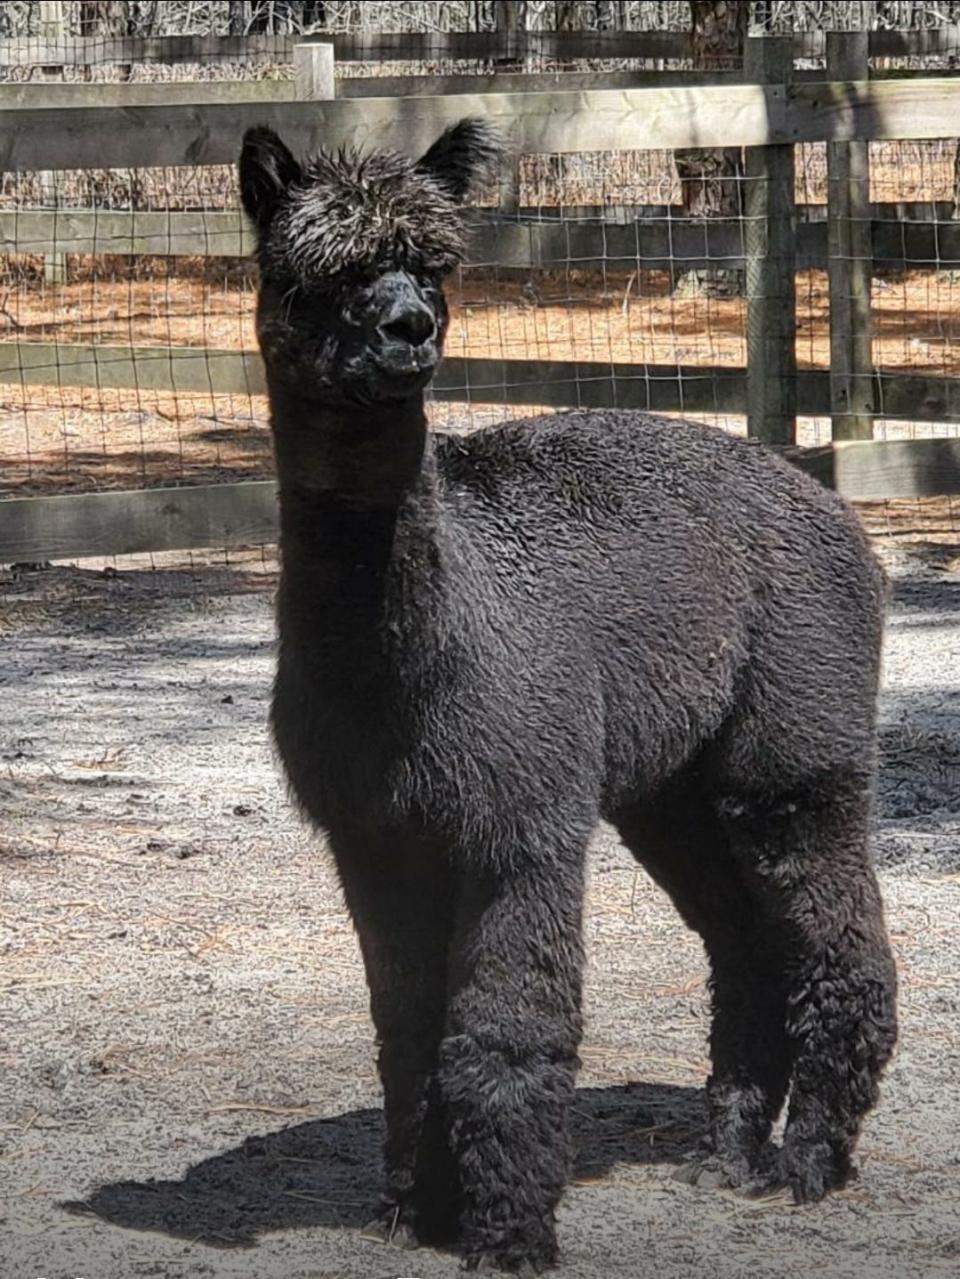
[486, 645]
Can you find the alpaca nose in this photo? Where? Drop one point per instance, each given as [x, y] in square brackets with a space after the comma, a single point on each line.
[408, 320]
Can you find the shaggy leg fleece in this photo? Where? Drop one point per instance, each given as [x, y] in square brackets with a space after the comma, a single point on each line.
[403, 908]
[807, 862]
[508, 1060]
[684, 846]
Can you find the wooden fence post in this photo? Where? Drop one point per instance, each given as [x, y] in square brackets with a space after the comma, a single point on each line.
[52, 28]
[770, 252]
[511, 20]
[313, 66]
[849, 258]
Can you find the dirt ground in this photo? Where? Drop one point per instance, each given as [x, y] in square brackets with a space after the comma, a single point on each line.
[188, 1084]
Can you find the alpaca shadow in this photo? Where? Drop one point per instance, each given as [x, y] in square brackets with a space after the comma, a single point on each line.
[326, 1172]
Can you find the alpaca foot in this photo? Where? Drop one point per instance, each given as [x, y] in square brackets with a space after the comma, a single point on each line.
[509, 1262]
[525, 1253]
[812, 1170]
[492, 1265]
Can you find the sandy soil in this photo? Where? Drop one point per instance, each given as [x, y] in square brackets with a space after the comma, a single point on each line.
[189, 1085]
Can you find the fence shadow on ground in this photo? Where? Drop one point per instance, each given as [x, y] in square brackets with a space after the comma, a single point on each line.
[327, 1172]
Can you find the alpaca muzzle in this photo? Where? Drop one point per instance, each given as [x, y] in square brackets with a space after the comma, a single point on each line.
[406, 345]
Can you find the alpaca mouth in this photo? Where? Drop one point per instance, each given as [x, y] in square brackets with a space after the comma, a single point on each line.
[406, 375]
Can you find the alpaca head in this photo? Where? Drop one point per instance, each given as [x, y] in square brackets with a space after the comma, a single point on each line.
[353, 250]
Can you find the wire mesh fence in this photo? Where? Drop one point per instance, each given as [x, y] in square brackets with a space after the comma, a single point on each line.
[127, 350]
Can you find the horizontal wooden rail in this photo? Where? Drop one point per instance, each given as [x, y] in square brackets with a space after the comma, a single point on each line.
[427, 46]
[561, 122]
[370, 46]
[583, 239]
[75, 525]
[873, 470]
[210, 92]
[555, 383]
[79, 525]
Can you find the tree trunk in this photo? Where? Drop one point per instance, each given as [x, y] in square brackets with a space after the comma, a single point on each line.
[711, 180]
[239, 13]
[105, 18]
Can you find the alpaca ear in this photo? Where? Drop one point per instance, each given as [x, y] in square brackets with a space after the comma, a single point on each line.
[267, 170]
[462, 156]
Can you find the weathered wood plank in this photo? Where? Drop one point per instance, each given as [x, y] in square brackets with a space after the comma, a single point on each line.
[134, 234]
[562, 122]
[180, 369]
[376, 46]
[34, 96]
[578, 243]
[75, 525]
[850, 259]
[770, 242]
[206, 92]
[484, 381]
[871, 470]
[580, 238]
[369, 46]
[559, 383]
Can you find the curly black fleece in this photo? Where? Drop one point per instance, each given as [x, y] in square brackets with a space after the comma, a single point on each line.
[593, 615]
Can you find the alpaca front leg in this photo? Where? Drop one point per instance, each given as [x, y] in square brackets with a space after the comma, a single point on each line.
[402, 911]
[509, 1057]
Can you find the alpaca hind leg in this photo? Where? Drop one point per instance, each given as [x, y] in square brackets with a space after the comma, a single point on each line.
[401, 904]
[509, 1055]
[808, 863]
[683, 845]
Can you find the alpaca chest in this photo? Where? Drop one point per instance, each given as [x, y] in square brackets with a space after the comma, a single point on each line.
[451, 761]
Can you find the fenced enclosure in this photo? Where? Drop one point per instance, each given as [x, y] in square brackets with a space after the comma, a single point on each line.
[814, 308]
[763, 233]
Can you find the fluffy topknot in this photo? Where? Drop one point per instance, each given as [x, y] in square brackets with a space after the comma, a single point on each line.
[351, 212]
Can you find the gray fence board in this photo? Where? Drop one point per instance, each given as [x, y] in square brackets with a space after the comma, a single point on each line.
[75, 525]
[554, 383]
[654, 237]
[78, 525]
[418, 46]
[561, 122]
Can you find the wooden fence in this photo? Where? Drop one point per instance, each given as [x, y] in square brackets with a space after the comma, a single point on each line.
[767, 116]
[495, 46]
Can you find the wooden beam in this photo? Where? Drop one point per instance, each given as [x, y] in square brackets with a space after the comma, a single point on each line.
[583, 238]
[588, 243]
[23, 95]
[372, 46]
[134, 234]
[209, 92]
[559, 383]
[563, 122]
[158, 368]
[75, 525]
[850, 259]
[314, 71]
[429, 46]
[79, 525]
[770, 242]
[871, 470]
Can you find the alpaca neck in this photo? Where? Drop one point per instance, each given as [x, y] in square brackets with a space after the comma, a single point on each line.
[361, 530]
[367, 457]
